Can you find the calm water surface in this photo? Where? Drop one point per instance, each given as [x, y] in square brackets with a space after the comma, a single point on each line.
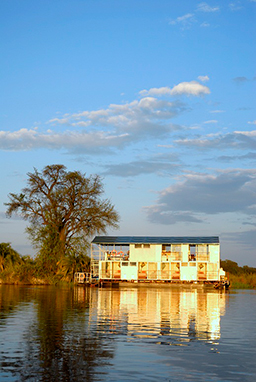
[140, 334]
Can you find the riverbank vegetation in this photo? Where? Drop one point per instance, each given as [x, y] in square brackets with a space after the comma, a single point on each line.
[17, 269]
[240, 277]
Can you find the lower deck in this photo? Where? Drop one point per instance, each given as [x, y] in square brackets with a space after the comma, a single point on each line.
[158, 271]
[81, 279]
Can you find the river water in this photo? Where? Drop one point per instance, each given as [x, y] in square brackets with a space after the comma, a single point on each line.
[135, 334]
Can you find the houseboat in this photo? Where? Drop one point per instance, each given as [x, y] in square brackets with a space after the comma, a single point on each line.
[147, 259]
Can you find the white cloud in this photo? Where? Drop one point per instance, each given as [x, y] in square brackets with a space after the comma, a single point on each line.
[60, 121]
[217, 111]
[156, 91]
[184, 21]
[114, 127]
[25, 139]
[205, 25]
[252, 122]
[190, 88]
[247, 133]
[203, 78]
[105, 130]
[198, 194]
[187, 20]
[140, 115]
[185, 17]
[211, 121]
[193, 88]
[235, 6]
[235, 140]
[204, 7]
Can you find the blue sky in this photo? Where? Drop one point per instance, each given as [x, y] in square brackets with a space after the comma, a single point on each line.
[158, 97]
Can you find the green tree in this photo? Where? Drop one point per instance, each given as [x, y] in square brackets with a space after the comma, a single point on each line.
[8, 257]
[64, 210]
[230, 267]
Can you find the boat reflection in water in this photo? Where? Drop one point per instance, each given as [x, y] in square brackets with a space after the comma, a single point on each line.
[63, 334]
[178, 315]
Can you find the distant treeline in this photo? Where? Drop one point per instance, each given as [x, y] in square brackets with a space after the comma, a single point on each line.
[233, 267]
[240, 277]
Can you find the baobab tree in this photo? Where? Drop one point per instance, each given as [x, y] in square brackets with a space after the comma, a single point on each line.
[64, 209]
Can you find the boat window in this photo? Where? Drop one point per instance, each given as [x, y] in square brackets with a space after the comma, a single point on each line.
[125, 264]
[192, 252]
[133, 264]
[146, 245]
[138, 245]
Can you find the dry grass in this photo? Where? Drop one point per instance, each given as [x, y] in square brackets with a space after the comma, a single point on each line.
[244, 281]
